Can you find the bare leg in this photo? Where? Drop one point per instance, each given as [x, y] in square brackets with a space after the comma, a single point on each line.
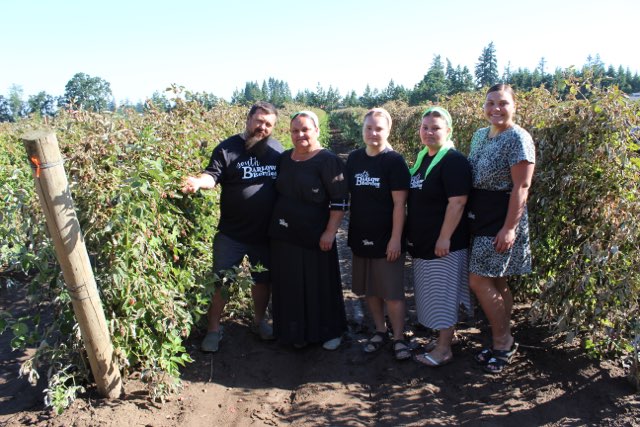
[495, 308]
[376, 308]
[507, 296]
[396, 310]
[215, 311]
[260, 293]
[442, 351]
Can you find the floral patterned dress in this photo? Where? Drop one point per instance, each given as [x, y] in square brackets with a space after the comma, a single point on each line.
[491, 161]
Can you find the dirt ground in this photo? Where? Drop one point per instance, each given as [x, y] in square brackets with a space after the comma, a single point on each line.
[254, 383]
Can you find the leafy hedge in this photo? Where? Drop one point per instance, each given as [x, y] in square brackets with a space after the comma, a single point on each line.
[584, 206]
[149, 245]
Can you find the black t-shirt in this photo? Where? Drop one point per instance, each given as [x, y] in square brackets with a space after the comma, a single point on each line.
[305, 192]
[371, 180]
[247, 178]
[428, 200]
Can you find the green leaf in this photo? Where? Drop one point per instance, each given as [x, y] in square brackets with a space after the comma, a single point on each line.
[20, 329]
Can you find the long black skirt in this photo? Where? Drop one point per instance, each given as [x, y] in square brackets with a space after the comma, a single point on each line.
[307, 301]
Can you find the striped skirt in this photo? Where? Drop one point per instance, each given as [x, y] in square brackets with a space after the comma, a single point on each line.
[441, 287]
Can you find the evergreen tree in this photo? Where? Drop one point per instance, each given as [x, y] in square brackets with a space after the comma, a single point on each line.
[319, 97]
[278, 92]
[558, 81]
[635, 81]
[393, 92]
[541, 65]
[303, 97]
[458, 79]
[369, 98]
[159, 101]
[433, 85]
[610, 77]
[351, 100]
[237, 98]
[595, 66]
[207, 100]
[465, 79]
[252, 92]
[487, 67]
[621, 80]
[332, 99]
[507, 74]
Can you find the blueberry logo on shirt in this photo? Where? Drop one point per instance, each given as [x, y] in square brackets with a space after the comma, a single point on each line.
[253, 169]
[283, 223]
[366, 242]
[363, 179]
[315, 190]
[416, 181]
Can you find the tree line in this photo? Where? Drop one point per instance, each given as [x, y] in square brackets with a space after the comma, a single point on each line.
[441, 79]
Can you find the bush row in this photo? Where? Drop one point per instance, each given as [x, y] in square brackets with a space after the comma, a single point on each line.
[149, 245]
[584, 204]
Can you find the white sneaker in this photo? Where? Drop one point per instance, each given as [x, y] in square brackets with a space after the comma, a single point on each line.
[263, 330]
[211, 341]
[332, 344]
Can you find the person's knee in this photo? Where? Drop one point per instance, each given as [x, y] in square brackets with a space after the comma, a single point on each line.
[476, 285]
[481, 283]
[397, 304]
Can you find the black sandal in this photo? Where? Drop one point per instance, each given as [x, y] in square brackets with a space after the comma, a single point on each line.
[500, 359]
[401, 350]
[483, 356]
[376, 342]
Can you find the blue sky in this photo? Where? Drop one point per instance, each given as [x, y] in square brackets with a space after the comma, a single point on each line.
[142, 46]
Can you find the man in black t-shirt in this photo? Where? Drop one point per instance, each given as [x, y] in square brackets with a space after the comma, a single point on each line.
[245, 167]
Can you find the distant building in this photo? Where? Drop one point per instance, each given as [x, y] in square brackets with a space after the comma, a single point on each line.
[635, 96]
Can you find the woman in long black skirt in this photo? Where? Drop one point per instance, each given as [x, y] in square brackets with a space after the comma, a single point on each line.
[308, 306]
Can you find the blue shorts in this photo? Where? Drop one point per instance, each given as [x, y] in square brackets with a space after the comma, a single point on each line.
[228, 253]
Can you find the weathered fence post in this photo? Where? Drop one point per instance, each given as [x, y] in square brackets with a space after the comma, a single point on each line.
[55, 198]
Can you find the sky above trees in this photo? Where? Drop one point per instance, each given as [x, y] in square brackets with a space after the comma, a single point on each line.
[215, 47]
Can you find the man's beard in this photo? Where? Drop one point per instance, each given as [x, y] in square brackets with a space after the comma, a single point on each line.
[254, 138]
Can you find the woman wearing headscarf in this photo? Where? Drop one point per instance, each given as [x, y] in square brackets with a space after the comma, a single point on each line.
[378, 183]
[437, 238]
[503, 159]
[308, 305]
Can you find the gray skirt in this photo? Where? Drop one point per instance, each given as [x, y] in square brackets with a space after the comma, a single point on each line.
[377, 277]
[441, 286]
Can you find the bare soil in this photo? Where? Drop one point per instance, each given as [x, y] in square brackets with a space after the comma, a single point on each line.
[254, 383]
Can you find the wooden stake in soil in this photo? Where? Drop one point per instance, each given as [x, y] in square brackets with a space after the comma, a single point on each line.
[55, 198]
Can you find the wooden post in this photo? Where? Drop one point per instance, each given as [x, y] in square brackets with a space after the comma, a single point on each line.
[55, 198]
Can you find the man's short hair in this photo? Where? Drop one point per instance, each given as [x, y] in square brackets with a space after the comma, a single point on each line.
[265, 106]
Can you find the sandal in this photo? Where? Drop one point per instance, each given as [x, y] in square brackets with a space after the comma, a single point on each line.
[483, 356]
[401, 350]
[428, 360]
[500, 359]
[376, 342]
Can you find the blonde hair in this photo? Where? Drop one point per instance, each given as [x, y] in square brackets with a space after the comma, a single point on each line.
[379, 112]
